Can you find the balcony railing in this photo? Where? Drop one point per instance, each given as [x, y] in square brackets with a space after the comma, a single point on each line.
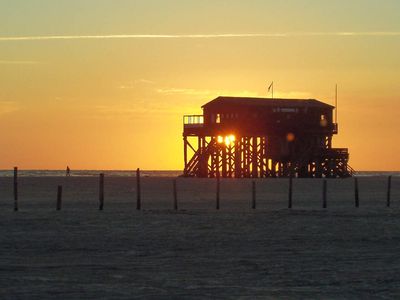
[193, 121]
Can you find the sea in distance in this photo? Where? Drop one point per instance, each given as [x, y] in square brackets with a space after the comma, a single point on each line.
[90, 173]
[144, 173]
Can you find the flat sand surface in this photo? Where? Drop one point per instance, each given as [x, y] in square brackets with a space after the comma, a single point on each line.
[198, 252]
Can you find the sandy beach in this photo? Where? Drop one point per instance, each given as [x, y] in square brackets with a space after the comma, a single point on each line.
[198, 252]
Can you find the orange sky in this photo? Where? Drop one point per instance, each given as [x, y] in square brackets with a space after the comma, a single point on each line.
[116, 102]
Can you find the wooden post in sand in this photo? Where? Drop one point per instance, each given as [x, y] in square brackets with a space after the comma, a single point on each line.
[324, 194]
[59, 197]
[356, 193]
[175, 196]
[101, 192]
[218, 190]
[388, 191]
[15, 188]
[290, 191]
[138, 192]
[253, 199]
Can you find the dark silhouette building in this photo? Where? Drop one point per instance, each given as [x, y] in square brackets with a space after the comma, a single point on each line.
[255, 137]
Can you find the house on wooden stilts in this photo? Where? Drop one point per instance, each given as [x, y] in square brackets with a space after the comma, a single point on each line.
[256, 137]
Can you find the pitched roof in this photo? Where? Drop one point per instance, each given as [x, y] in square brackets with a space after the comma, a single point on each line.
[266, 102]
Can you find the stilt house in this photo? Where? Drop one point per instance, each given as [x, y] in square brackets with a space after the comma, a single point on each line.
[255, 137]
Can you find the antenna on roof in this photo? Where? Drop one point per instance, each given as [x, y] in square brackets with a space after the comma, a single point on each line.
[271, 88]
[336, 103]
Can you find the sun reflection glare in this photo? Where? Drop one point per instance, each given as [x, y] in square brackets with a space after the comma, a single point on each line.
[228, 140]
[290, 137]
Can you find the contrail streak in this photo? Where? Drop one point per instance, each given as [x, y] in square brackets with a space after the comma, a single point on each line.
[19, 62]
[198, 36]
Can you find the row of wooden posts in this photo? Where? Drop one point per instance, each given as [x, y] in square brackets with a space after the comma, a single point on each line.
[175, 193]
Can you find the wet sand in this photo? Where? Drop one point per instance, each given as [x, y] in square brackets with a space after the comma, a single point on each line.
[198, 252]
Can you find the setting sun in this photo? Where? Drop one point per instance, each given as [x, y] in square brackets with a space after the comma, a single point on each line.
[229, 140]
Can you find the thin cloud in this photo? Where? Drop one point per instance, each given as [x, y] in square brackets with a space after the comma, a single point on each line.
[134, 112]
[201, 93]
[134, 84]
[7, 107]
[144, 81]
[19, 62]
[198, 36]
[238, 93]
[184, 91]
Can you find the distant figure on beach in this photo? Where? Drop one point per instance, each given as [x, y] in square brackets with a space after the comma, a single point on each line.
[68, 171]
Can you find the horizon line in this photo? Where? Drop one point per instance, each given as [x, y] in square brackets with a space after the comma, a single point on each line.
[200, 36]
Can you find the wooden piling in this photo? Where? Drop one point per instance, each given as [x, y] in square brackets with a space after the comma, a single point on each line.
[253, 199]
[218, 192]
[15, 188]
[324, 194]
[138, 191]
[101, 192]
[356, 193]
[389, 191]
[175, 196]
[290, 191]
[59, 197]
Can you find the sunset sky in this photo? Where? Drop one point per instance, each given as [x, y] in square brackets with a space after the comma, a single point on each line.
[102, 84]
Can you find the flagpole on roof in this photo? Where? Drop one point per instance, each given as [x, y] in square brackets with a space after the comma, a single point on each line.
[336, 103]
[271, 88]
